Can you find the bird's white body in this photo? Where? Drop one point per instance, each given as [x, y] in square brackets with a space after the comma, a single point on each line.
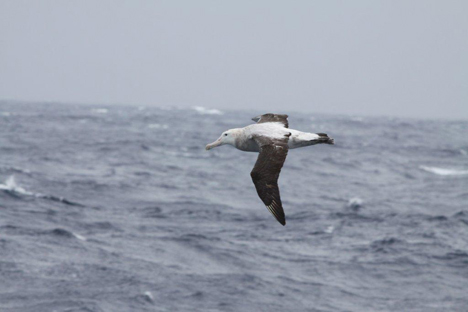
[241, 138]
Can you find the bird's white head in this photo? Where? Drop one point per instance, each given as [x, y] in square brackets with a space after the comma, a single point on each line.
[227, 137]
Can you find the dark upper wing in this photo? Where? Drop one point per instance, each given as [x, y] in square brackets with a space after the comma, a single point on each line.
[272, 118]
[266, 171]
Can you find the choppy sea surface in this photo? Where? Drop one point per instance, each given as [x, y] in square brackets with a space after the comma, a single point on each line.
[116, 208]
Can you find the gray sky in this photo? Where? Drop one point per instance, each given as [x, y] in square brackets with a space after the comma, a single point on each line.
[404, 58]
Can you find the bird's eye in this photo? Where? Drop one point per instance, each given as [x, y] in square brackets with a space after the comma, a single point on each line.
[225, 134]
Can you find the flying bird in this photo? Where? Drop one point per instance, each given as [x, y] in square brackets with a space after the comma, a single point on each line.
[271, 137]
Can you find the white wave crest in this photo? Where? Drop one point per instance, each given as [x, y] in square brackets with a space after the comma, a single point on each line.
[355, 203]
[157, 126]
[149, 296]
[100, 110]
[329, 229]
[10, 185]
[443, 171]
[207, 111]
[80, 237]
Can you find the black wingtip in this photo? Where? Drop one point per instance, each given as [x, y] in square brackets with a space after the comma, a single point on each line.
[281, 221]
[277, 212]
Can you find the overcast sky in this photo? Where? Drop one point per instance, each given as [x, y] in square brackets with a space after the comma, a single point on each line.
[404, 58]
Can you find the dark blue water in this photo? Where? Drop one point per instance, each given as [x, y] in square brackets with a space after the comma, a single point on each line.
[122, 209]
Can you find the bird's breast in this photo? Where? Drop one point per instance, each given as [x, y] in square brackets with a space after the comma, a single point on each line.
[247, 145]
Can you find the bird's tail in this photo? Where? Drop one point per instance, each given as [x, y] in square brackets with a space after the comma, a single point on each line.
[324, 138]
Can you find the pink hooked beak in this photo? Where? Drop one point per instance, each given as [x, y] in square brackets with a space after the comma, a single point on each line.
[214, 144]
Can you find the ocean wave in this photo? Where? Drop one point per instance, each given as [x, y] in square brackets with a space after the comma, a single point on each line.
[100, 110]
[157, 126]
[207, 111]
[455, 258]
[57, 232]
[355, 203]
[354, 215]
[65, 233]
[146, 297]
[11, 187]
[100, 227]
[15, 169]
[443, 171]
[462, 216]
[153, 212]
[385, 245]
[59, 199]
[329, 229]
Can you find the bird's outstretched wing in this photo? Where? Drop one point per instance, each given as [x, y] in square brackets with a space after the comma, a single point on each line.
[272, 118]
[266, 171]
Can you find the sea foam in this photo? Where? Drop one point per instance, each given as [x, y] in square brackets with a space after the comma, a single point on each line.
[10, 185]
[100, 110]
[443, 171]
[207, 111]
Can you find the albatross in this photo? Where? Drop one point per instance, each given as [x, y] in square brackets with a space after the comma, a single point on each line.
[271, 137]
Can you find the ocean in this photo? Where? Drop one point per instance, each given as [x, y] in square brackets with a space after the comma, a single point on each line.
[120, 208]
